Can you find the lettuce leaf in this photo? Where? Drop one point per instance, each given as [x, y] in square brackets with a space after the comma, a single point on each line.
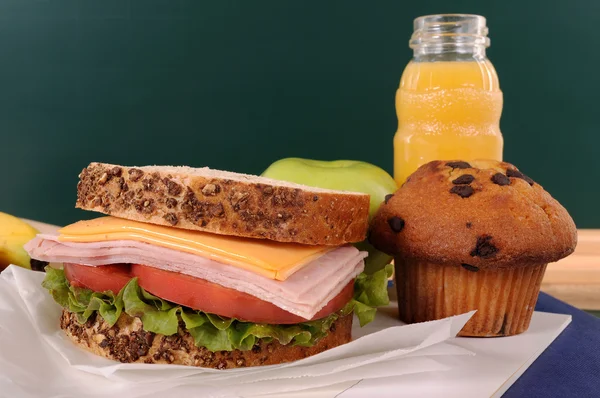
[209, 330]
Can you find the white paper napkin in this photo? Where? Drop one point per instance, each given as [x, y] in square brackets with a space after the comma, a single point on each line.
[38, 360]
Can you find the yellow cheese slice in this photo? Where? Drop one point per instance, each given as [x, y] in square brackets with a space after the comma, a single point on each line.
[274, 260]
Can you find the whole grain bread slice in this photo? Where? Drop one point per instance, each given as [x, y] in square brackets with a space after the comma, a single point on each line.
[224, 203]
[127, 342]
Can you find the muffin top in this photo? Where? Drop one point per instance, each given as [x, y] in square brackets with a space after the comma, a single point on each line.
[480, 214]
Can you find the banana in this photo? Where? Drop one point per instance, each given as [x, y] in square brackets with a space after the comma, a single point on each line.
[14, 233]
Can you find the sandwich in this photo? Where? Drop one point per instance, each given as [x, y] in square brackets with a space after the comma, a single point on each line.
[200, 267]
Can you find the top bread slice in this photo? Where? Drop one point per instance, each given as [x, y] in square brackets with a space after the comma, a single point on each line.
[225, 203]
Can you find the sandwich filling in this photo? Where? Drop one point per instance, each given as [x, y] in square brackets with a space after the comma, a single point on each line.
[215, 332]
[304, 293]
[227, 292]
[274, 260]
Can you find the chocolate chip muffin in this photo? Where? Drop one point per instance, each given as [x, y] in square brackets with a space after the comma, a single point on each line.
[472, 236]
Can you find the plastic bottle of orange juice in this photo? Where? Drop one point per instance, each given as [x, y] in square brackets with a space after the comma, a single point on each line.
[449, 100]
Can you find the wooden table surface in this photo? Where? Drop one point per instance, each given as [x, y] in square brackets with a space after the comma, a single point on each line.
[575, 279]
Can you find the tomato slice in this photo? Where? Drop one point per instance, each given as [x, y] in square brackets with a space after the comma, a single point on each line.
[195, 293]
[99, 279]
[206, 296]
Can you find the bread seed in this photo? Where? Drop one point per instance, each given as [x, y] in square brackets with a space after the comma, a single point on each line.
[211, 190]
[459, 165]
[173, 188]
[471, 268]
[148, 184]
[484, 248]
[216, 210]
[464, 191]
[116, 171]
[171, 218]
[464, 179]
[171, 203]
[135, 174]
[387, 198]
[145, 206]
[103, 179]
[396, 224]
[500, 179]
[239, 200]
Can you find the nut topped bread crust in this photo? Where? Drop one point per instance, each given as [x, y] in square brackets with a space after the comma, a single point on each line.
[127, 342]
[224, 203]
[478, 214]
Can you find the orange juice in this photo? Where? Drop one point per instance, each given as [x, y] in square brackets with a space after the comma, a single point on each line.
[447, 109]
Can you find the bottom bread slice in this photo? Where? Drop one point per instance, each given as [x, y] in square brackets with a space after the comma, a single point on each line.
[127, 342]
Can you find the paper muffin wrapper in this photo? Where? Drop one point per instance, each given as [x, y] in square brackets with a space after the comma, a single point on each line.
[504, 298]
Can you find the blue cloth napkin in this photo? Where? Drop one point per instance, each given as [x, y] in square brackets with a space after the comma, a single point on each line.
[570, 366]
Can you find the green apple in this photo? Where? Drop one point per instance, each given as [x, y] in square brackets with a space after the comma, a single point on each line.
[346, 175]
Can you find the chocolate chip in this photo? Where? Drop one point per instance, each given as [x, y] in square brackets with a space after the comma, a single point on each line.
[484, 248]
[464, 179]
[469, 225]
[528, 180]
[500, 179]
[387, 198]
[464, 191]
[471, 268]
[315, 198]
[396, 224]
[517, 174]
[514, 173]
[459, 165]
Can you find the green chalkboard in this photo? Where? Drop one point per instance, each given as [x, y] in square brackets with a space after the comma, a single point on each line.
[239, 84]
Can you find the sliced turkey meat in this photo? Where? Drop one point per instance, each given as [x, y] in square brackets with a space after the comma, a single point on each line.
[304, 293]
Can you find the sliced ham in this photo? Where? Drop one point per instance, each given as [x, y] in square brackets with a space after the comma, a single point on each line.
[304, 293]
